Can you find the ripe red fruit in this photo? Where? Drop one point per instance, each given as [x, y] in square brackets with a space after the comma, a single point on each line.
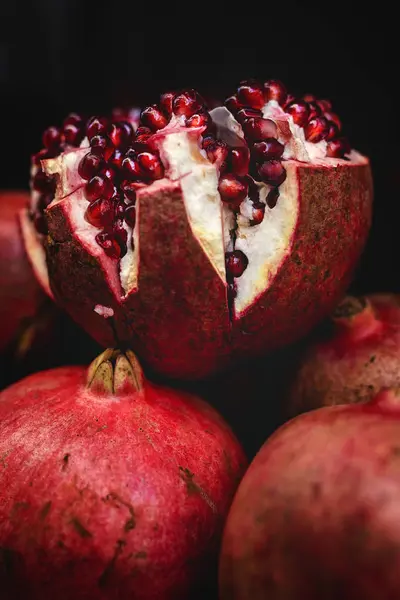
[356, 354]
[113, 488]
[329, 475]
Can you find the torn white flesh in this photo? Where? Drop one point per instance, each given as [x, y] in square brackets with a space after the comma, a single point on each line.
[267, 243]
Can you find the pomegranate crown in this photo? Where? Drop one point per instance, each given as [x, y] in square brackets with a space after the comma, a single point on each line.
[115, 372]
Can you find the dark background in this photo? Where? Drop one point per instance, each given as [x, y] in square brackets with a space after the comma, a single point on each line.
[58, 55]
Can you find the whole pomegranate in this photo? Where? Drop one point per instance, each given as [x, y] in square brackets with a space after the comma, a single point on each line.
[316, 515]
[20, 294]
[207, 237]
[111, 487]
[356, 355]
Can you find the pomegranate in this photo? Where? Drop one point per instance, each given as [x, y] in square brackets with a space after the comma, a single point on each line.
[356, 355]
[20, 295]
[246, 229]
[316, 515]
[116, 488]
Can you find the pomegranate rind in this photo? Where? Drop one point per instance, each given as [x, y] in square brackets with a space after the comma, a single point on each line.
[35, 251]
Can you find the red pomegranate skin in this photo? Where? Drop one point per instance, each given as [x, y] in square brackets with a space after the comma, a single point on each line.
[188, 335]
[317, 514]
[105, 496]
[356, 355]
[20, 294]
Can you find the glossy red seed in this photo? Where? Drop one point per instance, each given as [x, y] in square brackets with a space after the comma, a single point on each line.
[232, 104]
[130, 215]
[272, 172]
[236, 263]
[217, 153]
[110, 172]
[121, 134]
[275, 90]
[272, 197]
[239, 160]
[108, 242]
[72, 119]
[129, 189]
[101, 146]
[259, 129]
[98, 187]
[73, 134]
[208, 140]
[338, 148]
[313, 110]
[120, 233]
[90, 165]
[199, 120]
[116, 159]
[153, 118]
[166, 101]
[52, 138]
[97, 126]
[131, 168]
[150, 165]
[119, 206]
[333, 117]
[324, 105]
[289, 99]
[42, 183]
[187, 103]
[247, 113]
[309, 98]
[267, 150]
[233, 190]
[257, 213]
[316, 129]
[250, 93]
[333, 131]
[100, 213]
[299, 111]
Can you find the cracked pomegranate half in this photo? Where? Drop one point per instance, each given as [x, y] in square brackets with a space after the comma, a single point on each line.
[208, 236]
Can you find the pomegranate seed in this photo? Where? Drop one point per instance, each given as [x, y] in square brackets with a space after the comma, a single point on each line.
[72, 119]
[259, 129]
[198, 120]
[338, 148]
[232, 190]
[324, 105]
[236, 263]
[187, 103]
[150, 165]
[272, 197]
[74, 134]
[143, 131]
[90, 165]
[333, 117]
[257, 213]
[299, 111]
[40, 223]
[232, 104]
[268, 149]
[239, 160]
[153, 118]
[289, 99]
[121, 134]
[250, 93]
[142, 142]
[100, 213]
[116, 159]
[217, 153]
[130, 215]
[316, 129]
[52, 138]
[129, 190]
[313, 110]
[108, 242]
[275, 90]
[121, 234]
[102, 146]
[98, 187]
[110, 172]
[208, 140]
[42, 183]
[97, 126]
[333, 131]
[247, 113]
[309, 98]
[166, 102]
[120, 206]
[131, 168]
[44, 201]
[272, 172]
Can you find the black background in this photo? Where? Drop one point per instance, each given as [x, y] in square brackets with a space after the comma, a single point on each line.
[60, 55]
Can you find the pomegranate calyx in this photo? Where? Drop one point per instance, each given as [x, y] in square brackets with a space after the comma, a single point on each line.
[115, 372]
[356, 316]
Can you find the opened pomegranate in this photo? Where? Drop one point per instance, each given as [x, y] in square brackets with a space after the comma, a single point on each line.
[356, 355]
[207, 237]
[113, 488]
[316, 515]
[20, 294]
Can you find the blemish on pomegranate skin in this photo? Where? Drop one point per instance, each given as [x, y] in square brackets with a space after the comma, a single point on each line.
[80, 529]
[141, 554]
[193, 488]
[44, 511]
[106, 574]
[65, 461]
[129, 525]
